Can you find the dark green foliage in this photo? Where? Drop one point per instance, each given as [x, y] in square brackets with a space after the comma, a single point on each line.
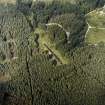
[32, 79]
[2, 56]
[41, 12]
[88, 5]
[56, 34]
[72, 84]
[73, 24]
[14, 33]
[45, 11]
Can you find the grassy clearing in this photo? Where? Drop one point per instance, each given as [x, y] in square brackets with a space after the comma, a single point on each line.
[7, 1]
[96, 19]
[95, 35]
[43, 39]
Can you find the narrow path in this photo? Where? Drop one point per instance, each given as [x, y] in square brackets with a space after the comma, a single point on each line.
[58, 59]
[49, 24]
[67, 33]
[30, 80]
[87, 29]
[97, 9]
[90, 27]
[90, 12]
[99, 28]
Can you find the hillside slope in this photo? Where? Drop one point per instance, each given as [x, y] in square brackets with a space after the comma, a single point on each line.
[44, 59]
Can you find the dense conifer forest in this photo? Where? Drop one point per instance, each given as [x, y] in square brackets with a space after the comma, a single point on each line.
[45, 57]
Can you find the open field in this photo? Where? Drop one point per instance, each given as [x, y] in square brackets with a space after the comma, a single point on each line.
[8, 1]
[96, 19]
[96, 29]
[95, 35]
[44, 40]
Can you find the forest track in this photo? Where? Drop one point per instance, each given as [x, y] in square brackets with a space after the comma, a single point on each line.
[67, 33]
[57, 58]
